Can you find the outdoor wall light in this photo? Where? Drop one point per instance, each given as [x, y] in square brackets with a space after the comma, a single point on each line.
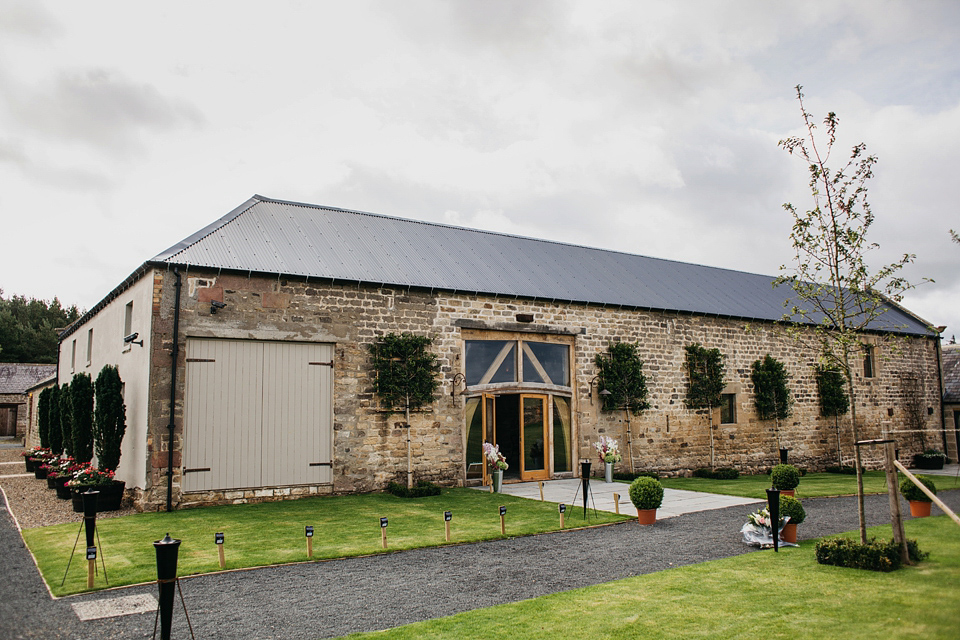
[132, 339]
[594, 381]
[215, 305]
[457, 380]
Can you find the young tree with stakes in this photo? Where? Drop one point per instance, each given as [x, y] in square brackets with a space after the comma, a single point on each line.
[406, 376]
[836, 292]
[705, 368]
[54, 434]
[622, 383]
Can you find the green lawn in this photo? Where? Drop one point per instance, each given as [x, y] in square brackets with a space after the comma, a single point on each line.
[273, 533]
[812, 485]
[758, 595]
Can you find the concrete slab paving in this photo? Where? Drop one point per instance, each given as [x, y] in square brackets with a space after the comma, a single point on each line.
[113, 607]
[601, 497]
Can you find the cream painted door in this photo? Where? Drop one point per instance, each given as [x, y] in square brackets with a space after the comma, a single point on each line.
[257, 414]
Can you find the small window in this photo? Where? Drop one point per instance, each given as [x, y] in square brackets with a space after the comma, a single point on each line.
[728, 408]
[869, 361]
[89, 347]
[73, 356]
[127, 320]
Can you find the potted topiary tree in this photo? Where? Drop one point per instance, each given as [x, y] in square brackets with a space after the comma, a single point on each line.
[785, 477]
[791, 507]
[81, 408]
[109, 425]
[646, 494]
[919, 501]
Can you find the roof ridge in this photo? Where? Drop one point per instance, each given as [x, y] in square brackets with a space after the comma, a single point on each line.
[502, 234]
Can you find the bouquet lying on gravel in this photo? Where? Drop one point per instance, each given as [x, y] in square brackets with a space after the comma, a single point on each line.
[87, 476]
[758, 532]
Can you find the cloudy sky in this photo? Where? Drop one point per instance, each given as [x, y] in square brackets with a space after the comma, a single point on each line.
[646, 127]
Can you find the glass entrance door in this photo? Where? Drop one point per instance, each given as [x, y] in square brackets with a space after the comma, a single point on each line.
[533, 437]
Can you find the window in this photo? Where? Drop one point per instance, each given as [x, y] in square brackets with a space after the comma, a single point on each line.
[728, 408]
[869, 363]
[89, 347]
[127, 320]
[497, 361]
[73, 356]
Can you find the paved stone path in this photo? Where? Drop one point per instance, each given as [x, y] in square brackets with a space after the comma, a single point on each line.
[601, 497]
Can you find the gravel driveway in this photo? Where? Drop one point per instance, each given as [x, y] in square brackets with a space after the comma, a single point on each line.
[333, 598]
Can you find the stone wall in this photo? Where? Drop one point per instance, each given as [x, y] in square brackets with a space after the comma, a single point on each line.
[370, 442]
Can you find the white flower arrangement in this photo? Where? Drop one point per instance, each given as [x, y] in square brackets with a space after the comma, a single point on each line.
[608, 449]
[495, 459]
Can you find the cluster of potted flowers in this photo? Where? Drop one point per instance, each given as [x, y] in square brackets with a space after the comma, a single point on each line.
[71, 478]
[609, 451]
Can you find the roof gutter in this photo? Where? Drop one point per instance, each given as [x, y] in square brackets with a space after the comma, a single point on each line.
[175, 356]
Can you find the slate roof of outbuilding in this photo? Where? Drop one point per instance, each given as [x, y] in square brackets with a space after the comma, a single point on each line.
[267, 236]
[17, 377]
[951, 374]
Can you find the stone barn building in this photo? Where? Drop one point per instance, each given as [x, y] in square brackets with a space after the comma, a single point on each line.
[244, 352]
[18, 382]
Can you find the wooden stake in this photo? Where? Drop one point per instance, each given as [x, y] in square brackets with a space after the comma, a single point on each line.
[447, 528]
[937, 501]
[561, 519]
[892, 491]
[309, 547]
[383, 536]
[541, 490]
[223, 562]
[91, 569]
[616, 502]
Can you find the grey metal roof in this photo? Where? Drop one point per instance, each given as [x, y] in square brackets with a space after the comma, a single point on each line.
[295, 239]
[16, 377]
[951, 374]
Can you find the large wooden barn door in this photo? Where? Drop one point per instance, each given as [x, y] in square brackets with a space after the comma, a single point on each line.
[257, 414]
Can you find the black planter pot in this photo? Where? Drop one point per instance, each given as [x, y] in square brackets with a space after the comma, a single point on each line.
[51, 482]
[63, 491]
[40, 473]
[31, 464]
[110, 499]
[921, 461]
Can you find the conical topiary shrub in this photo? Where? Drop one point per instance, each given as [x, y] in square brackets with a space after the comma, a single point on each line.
[109, 417]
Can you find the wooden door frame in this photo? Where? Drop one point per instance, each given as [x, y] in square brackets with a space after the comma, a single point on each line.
[538, 474]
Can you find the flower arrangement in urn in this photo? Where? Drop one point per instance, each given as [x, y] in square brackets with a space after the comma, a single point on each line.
[498, 464]
[496, 460]
[608, 450]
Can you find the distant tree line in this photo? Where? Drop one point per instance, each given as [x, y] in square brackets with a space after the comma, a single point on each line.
[27, 328]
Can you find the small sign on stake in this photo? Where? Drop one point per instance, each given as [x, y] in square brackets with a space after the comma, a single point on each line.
[218, 538]
[383, 532]
[91, 565]
[308, 532]
[447, 517]
[563, 510]
[503, 522]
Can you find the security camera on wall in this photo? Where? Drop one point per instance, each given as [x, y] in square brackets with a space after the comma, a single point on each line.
[216, 305]
[132, 339]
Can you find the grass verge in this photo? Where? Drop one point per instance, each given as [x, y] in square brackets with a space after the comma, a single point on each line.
[273, 533]
[758, 595]
[812, 485]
